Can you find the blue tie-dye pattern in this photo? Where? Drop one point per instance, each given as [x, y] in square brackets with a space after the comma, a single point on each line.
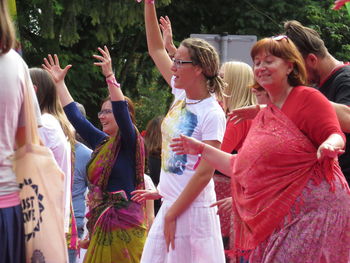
[187, 122]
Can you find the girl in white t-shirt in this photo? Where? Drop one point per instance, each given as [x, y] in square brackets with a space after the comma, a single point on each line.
[186, 229]
[14, 78]
[58, 135]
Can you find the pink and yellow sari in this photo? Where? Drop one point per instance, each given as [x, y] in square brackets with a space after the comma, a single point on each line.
[116, 225]
[278, 187]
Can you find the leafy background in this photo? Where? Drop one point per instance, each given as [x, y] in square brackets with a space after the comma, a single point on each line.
[74, 29]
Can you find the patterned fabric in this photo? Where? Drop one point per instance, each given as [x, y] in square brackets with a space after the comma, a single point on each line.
[223, 190]
[318, 233]
[283, 168]
[116, 225]
[72, 235]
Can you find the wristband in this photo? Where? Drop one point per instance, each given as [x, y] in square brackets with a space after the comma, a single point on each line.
[146, 1]
[110, 75]
[113, 82]
[201, 147]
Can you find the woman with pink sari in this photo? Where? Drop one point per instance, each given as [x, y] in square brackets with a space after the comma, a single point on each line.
[290, 199]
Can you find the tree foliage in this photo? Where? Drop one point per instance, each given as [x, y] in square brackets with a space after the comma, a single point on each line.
[73, 29]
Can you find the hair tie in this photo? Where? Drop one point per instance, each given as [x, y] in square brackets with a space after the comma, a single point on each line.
[212, 77]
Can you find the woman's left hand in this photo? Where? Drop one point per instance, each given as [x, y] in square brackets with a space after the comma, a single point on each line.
[328, 150]
[105, 61]
[169, 230]
[53, 67]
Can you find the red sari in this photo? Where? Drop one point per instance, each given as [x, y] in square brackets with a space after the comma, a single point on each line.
[274, 167]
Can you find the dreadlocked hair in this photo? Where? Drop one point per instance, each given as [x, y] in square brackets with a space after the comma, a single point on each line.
[204, 55]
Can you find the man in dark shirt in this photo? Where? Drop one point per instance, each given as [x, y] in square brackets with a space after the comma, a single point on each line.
[329, 75]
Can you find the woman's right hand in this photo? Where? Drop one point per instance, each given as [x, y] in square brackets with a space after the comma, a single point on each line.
[244, 113]
[224, 205]
[52, 65]
[187, 145]
[167, 33]
[140, 196]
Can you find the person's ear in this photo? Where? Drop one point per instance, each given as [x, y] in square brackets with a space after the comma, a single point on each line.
[35, 88]
[311, 60]
[198, 70]
[290, 68]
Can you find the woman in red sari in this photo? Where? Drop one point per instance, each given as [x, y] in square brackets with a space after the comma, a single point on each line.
[290, 199]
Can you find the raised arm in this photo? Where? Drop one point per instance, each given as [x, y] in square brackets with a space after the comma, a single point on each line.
[167, 32]
[105, 62]
[87, 131]
[155, 43]
[52, 65]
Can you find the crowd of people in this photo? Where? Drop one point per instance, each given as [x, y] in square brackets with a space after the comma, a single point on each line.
[245, 162]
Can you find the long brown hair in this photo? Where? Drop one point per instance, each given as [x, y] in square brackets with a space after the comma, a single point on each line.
[153, 137]
[7, 32]
[306, 39]
[49, 101]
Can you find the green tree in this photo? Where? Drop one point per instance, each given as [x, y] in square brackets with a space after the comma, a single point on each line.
[74, 29]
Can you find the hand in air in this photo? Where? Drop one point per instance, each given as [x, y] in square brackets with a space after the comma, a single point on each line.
[328, 150]
[244, 113]
[224, 205]
[52, 66]
[165, 26]
[187, 145]
[105, 61]
[140, 196]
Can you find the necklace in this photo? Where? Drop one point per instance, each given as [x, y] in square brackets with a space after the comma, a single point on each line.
[194, 102]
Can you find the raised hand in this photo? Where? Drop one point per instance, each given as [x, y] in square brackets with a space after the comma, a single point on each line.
[224, 205]
[187, 145]
[140, 196]
[105, 61]
[165, 26]
[52, 66]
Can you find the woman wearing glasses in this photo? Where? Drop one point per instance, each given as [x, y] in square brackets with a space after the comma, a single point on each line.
[290, 198]
[186, 229]
[116, 225]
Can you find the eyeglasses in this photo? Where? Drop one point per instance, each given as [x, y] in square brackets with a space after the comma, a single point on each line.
[178, 62]
[280, 37]
[105, 111]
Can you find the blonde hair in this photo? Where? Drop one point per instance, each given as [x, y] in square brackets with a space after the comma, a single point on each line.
[239, 78]
[204, 55]
[7, 31]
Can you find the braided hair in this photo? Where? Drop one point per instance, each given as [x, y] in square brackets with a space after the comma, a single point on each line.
[204, 55]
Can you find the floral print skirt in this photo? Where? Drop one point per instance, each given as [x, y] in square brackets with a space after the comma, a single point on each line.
[316, 231]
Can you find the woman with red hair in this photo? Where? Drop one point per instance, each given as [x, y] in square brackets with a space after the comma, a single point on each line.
[290, 199]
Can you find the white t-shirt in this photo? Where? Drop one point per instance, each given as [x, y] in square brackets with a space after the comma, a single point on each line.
[13, 76]
[54, 138]
[204, 121]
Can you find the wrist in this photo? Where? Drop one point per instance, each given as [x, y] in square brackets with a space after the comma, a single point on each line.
[111, 81]
[151, 2]
[169, 216]
[201, 148]
[109, 75]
